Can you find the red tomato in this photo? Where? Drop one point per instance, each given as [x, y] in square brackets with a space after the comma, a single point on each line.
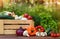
[26, 15]
[55, 35]
[52, 34]
[58, 34]
[29, 17]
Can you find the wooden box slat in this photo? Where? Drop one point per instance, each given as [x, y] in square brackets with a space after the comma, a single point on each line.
[1, 27]
[16, 22]
[15, 26]
[9, 31]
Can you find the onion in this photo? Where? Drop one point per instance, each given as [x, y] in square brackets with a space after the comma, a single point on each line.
[19, 32]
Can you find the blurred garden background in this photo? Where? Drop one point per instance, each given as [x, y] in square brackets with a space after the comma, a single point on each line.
[44, 12]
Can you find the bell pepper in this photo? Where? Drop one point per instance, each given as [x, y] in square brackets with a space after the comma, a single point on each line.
[40, 28]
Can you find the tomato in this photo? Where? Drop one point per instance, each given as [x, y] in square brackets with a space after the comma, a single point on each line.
[52, 35]
[58, 34]
[26, 15]
[55, 35]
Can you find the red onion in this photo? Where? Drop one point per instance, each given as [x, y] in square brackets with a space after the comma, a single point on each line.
[19, 32]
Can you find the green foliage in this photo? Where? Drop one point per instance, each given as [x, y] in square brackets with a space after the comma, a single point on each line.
[41, 15]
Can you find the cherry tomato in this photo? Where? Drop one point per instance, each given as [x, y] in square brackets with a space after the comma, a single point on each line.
[58, 34]
[52, 35]
[55, 35]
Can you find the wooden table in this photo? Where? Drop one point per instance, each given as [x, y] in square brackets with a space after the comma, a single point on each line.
[21, 37]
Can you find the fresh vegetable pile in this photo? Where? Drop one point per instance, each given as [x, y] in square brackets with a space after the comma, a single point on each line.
[35, 31]
[40, 14]
[31, 31]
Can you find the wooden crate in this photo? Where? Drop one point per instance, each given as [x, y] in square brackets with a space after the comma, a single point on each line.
[10, 26]
[1, 27]
[9, 31]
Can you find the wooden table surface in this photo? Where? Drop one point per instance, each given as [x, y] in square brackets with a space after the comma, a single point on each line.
[21, 37]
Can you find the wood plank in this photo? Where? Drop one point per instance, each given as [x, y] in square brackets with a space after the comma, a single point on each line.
[15, 26]
[16, 22]
[1, 27]
[31, 22]
[9, 31]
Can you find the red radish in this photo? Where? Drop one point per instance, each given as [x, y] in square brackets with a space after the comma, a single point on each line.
[29, 17]
[26, 15]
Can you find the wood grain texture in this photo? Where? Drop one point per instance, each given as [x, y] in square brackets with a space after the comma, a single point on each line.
[1, 27]
[22, 37]
[9, 31]
[17, 21]
[11, 27]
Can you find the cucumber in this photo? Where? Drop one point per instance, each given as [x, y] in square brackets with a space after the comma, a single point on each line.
[6, 17]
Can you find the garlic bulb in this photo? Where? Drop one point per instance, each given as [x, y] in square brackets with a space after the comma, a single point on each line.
[38, 34]
[25, 33]
[43, 34]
